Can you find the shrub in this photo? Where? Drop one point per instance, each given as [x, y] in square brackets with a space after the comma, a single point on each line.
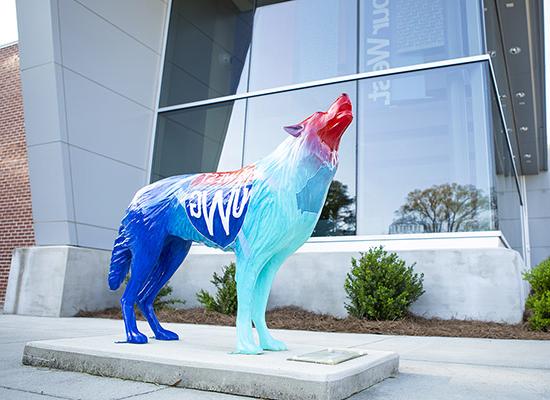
[380, 286]
[225, 301]
[162, 302]
[538, 301]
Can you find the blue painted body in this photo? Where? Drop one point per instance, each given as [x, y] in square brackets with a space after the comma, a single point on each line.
[263, 212]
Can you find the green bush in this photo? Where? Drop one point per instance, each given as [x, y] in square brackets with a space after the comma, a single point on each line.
[538, 301]
[225, 301]
[380, 286]
[162, 302]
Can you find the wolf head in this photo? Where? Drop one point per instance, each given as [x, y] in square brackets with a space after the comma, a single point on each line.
[325, 127]
[312, 149]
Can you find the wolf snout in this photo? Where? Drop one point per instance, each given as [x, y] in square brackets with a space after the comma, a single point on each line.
[342, 103]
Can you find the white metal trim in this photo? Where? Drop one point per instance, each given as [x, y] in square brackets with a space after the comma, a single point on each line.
[524, 217]
[407, 236]
[153, 135]
[329, 81]
[483, 24]
[420, 241]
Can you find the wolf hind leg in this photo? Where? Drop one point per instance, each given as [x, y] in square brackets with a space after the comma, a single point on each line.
[261, 295]
[173, 253]
[143, 262]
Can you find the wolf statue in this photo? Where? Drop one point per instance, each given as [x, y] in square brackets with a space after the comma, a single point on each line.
[263, 212]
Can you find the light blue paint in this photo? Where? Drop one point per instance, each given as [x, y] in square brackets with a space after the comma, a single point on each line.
[263, 212]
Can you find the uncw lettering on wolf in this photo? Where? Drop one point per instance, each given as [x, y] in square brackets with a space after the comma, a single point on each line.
[262, 212]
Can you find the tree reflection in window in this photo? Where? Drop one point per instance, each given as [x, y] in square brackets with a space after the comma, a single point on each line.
[449, 207]
[338, 214]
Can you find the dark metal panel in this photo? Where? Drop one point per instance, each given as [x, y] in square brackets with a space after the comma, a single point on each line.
[495, 49]
[536, 13]
[515, 42]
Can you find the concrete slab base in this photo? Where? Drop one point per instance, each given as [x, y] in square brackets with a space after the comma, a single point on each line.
[206, 363]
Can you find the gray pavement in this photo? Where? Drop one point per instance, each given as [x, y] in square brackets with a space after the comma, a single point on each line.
[430, 368]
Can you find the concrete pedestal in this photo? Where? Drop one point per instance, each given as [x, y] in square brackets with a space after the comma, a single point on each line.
[205, 362]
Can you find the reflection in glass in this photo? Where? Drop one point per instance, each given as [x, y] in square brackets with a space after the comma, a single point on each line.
[201, 139]
[442, 208]
[424, 156]
[266, 115]
[406, 32]
[302, 40]
[338, 214]
[206, 50]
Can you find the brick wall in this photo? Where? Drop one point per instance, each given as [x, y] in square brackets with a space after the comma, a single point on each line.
[15, 196]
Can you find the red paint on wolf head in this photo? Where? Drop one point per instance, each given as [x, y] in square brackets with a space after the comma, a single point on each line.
[329, 126]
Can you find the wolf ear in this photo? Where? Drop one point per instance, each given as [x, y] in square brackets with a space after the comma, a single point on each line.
[294, 130]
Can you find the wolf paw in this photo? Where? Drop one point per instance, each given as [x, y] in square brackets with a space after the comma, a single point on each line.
[273, 345]
[249, 348]
[136, 337]
[165, 334]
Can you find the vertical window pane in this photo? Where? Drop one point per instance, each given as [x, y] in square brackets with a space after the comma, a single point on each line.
[266, 116]
[424, 154]
[202, 139]
[406, 32]
[207, 50]
[302, 40]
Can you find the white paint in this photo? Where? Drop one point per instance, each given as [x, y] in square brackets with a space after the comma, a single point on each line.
[199, 207]
[217, 203]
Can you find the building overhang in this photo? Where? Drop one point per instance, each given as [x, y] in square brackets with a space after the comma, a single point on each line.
[515, 41]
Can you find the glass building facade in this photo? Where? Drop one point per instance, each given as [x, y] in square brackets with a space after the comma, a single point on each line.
[428, 150]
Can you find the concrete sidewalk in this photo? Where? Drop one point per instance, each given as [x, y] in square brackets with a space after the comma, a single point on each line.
[430, 367]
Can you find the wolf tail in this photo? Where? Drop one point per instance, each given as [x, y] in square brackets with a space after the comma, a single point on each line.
[120, 260]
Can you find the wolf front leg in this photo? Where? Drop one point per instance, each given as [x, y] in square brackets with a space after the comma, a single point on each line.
[248, 269]
[261, 295]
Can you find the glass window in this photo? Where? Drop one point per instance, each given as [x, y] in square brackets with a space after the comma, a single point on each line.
[207, 50]
[266, 116]
[302, 40]
[406, 32]
[424, 152]
[201, 139]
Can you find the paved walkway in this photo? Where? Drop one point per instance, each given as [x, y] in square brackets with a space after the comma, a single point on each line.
[431, 367]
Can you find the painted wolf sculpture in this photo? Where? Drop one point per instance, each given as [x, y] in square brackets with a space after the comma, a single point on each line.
[263, 212]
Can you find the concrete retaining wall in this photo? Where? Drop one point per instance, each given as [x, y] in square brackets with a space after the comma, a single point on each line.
[471, 283]
[58, 281]
[477, 284]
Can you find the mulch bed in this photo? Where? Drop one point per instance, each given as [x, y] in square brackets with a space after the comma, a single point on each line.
[298, 319]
